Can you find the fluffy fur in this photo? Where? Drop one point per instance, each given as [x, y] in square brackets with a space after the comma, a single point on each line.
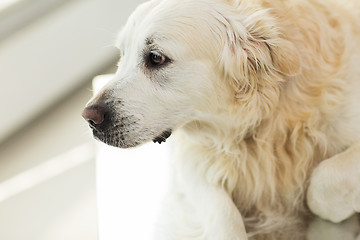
[257, 93]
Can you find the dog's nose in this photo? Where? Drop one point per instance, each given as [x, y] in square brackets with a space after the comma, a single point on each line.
[94, 115]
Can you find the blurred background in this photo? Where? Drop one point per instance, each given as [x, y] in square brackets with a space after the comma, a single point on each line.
[56, 183]
[49, 52]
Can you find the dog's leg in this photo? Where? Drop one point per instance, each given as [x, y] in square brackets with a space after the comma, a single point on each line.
[334, 191]
[217, 213]
[178, 220]
[209, 217]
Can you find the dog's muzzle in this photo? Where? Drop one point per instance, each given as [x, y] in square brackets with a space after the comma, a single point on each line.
[103, 126]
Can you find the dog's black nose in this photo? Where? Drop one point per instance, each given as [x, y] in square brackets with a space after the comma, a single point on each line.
[95, 115]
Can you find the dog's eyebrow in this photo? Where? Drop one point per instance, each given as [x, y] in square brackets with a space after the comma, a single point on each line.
[149, 41]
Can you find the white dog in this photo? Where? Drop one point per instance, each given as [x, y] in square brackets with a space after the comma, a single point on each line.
[257, 93]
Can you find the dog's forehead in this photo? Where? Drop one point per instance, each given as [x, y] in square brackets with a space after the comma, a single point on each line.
[155, 21]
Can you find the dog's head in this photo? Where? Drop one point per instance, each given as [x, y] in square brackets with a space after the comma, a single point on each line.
[190, 60]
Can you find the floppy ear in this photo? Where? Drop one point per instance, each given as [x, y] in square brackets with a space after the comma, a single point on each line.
[255, 57]
[259, 51]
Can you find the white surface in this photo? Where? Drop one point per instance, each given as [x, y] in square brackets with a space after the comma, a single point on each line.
[131, 185]
[323, 230]
[48, 58]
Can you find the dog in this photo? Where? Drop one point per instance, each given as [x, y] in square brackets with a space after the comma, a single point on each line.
[261, 98]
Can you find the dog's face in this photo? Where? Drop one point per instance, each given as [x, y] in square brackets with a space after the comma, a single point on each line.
[170, 73]
[164, 79]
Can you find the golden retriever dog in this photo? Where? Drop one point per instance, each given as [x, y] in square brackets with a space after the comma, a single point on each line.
[262, 98]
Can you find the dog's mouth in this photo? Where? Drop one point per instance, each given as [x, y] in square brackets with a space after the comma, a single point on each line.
[123, 140]
[163, 136]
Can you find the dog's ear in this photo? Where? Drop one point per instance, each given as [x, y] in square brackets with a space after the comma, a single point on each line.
[254, 54]
[259, 48]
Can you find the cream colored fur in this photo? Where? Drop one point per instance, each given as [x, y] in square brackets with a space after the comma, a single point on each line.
[259, 93]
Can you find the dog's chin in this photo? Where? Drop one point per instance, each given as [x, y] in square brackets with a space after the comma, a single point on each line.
[120, 141]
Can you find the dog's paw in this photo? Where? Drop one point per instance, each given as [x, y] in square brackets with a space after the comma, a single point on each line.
[333, 193]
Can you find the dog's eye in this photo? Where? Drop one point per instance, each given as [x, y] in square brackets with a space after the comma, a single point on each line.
[156, 59]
